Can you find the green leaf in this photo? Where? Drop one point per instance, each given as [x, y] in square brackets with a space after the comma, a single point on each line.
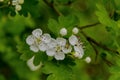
[57, 72]
[26, 56]
[68, 21]
[40, 57]
[25, 51]
[53, 26]
[104, 18]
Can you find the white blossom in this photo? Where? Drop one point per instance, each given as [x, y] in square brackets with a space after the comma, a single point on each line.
[75, 30]
[37, 41]
[46, 38]
[18, 7]
[59, 56]
[34, 48]
[58, 50]
[73, 40]
[67, 48]
[32, 66]
[30, 40]
[88, 59]
[78, 49]
[63, 31]
[14, 2]
[37, 33]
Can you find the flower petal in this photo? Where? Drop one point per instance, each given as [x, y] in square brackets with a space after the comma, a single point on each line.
[30, 40]
[79, 49]
[59, 56]
[32, 66]
[34, 48]
[50, 52]
[67, 50]
[52, 43]
[46, 38]
[37, 33]
[61, 41]
[73, 40]
[43, 46]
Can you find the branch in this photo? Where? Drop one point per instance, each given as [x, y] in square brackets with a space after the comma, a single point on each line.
[99, 44]
[88, 26]
[51, 5]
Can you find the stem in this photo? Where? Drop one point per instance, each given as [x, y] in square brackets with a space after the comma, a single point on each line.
[88, 26]
[99, 44]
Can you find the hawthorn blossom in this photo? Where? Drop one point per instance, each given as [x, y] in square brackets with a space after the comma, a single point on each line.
[37, 41]
[58, 50]
[17, 4]
[78, 49]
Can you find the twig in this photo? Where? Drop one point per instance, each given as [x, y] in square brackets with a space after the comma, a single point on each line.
[99, 45]
[93, 46]
[52, 7]
[88, 26]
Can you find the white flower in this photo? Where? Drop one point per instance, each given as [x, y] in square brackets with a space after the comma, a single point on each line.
[37, 33]
[52, 43]
[59, 56]
[61, 41]
[30, 40]
[88, 59]
[57, 49]
[32, 66]
[75, 30]
[73, 40]
[67, 48]
[77, 55]
[63, 31]
[37, 41]
[34, 48]
[78, 49]
[46, 38]
[43, 46]
[18, 7]
[14, 2]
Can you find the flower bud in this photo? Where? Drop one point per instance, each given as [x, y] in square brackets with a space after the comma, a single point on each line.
[75, 30]
[63, 31]
[18, 7]
[88, 59]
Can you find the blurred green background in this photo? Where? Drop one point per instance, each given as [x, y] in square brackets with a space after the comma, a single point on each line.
[15, 26]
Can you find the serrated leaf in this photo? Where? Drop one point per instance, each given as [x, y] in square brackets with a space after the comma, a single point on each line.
[25, 51]
[57, 72]
[53, 26]
[104, 18]
[26, 56]
[68, 21]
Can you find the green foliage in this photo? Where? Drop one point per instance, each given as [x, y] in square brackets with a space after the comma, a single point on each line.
[67, 22]
[51, 16]
[57, 72]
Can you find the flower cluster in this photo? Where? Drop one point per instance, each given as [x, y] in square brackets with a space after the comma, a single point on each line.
[57, 48]
[17, 4]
